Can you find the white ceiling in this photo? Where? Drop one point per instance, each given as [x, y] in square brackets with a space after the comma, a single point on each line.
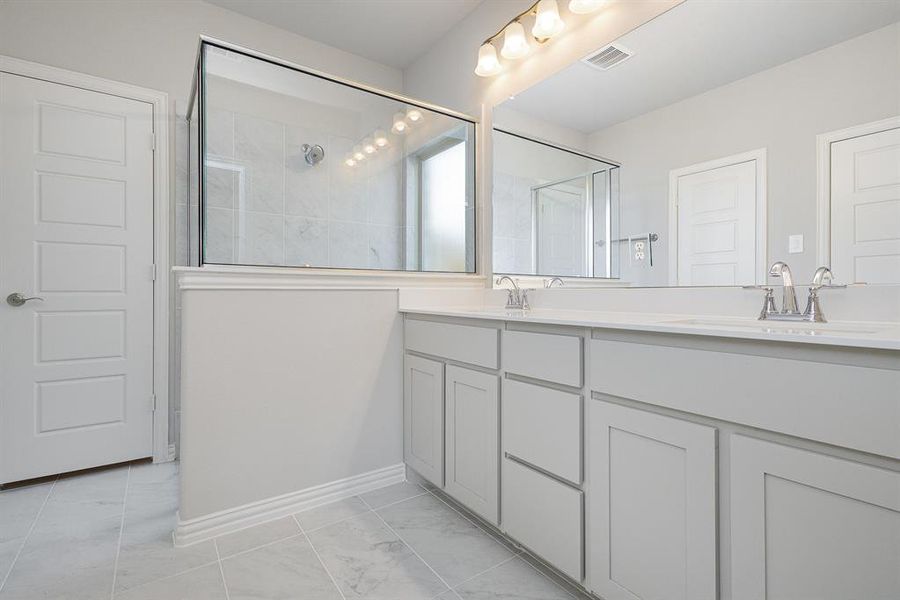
[391, 32]
[695, 47]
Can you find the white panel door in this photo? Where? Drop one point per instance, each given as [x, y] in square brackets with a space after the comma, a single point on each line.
[865, 208]
[652, 510]
[423, 418]
[473, 440]
[717, 237]
[561, 214]
[806, 526]
[76, 195]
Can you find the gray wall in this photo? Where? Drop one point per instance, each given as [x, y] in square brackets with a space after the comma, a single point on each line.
[781, 109]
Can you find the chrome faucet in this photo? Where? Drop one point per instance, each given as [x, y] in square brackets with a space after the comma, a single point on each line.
[549, 284]
[516, 297]
[813, 312]
[789, 294]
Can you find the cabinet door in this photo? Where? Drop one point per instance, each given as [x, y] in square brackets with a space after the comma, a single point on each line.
[652, 506]
[473, 452]
[423, 418]
[806, 525]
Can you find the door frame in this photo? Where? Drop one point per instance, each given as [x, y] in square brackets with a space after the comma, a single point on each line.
[823, 177]
[759, 156]
[161, 215]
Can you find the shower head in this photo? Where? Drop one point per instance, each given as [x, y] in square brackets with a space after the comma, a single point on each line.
[313, 154]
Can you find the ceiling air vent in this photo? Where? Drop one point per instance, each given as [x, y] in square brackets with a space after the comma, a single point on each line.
[607, 57]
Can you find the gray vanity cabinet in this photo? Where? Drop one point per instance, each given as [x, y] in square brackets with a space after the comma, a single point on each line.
[473, 438]
[423, 417]
[652, 505]
[810, 525]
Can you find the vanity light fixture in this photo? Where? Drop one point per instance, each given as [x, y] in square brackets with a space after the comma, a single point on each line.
[349, 161]
[583, 7]
[488, 63]
[358, 153]
[400, 126]
[514, 43]
[380, 137]
[547, 22]
[413, 115]
[369, 146]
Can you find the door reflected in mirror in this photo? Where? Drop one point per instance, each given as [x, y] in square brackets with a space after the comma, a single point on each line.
[737, 134]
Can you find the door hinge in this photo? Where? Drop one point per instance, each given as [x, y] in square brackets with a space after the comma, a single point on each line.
[153, 272]
[153, 402]
[153, 142]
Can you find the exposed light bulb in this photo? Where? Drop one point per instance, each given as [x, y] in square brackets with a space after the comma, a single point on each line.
[547, 22]
[400, 125]
[515, 45]
[349, 161]
[358, 153]
[488, 63]
[583, 7]
[413, 115]
[381, 139]
[369, 146]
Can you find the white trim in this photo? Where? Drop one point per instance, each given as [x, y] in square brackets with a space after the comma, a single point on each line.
[223, 277]
[759, 156]
[219, 523]
[160, 104]
[823, 178]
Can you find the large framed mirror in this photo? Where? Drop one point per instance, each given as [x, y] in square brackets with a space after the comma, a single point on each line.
[731, 134]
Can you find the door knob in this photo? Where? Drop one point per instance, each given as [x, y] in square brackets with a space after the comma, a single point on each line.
[17, 299]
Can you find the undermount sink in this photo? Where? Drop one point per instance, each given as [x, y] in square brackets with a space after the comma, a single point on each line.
[786, 327]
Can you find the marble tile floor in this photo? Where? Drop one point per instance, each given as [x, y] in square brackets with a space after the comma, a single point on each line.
[107, 534]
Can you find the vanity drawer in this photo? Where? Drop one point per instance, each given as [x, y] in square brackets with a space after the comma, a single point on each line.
[546, 356]
[543, 427]
[544, 515]
[805, 394]
[473, 345]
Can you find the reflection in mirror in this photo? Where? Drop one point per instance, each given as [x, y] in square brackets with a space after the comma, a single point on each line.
[305, 171]
[745, 132]
[554, 210]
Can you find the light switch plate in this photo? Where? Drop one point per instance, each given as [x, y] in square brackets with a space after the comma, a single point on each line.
[795, 244]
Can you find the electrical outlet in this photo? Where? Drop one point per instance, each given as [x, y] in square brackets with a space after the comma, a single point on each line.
[638, 251]
[795, 244]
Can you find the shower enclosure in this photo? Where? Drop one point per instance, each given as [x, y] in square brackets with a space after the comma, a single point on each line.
[554, 210]
[292, 167]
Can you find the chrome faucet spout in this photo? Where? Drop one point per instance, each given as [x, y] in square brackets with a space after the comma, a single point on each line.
[789, 296]
[514, 297]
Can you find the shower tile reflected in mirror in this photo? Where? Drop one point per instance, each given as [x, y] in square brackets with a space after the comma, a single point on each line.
[303, 171]
[554, 210]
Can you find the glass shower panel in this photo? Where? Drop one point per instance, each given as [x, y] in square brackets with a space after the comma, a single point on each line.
[554, 210]
[303, 170]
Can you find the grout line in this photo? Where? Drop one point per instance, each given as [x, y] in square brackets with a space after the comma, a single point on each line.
[112, 592]
[516, 554]
[497, 566]
[318, 556]
[221, 570]
[493, 535]
[254, 548]
[28, 535]
[395, 502]
[548, 578]
[413, 550]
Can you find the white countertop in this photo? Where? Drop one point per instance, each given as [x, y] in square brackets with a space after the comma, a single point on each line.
[857, 334]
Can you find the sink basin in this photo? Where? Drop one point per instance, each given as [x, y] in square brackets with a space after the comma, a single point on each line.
[786, 327]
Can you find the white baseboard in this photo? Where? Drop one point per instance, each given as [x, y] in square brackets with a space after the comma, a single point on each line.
[241, 517]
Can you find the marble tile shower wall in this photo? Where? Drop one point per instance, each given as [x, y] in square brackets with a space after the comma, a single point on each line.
[512, 206]
[266, 206]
